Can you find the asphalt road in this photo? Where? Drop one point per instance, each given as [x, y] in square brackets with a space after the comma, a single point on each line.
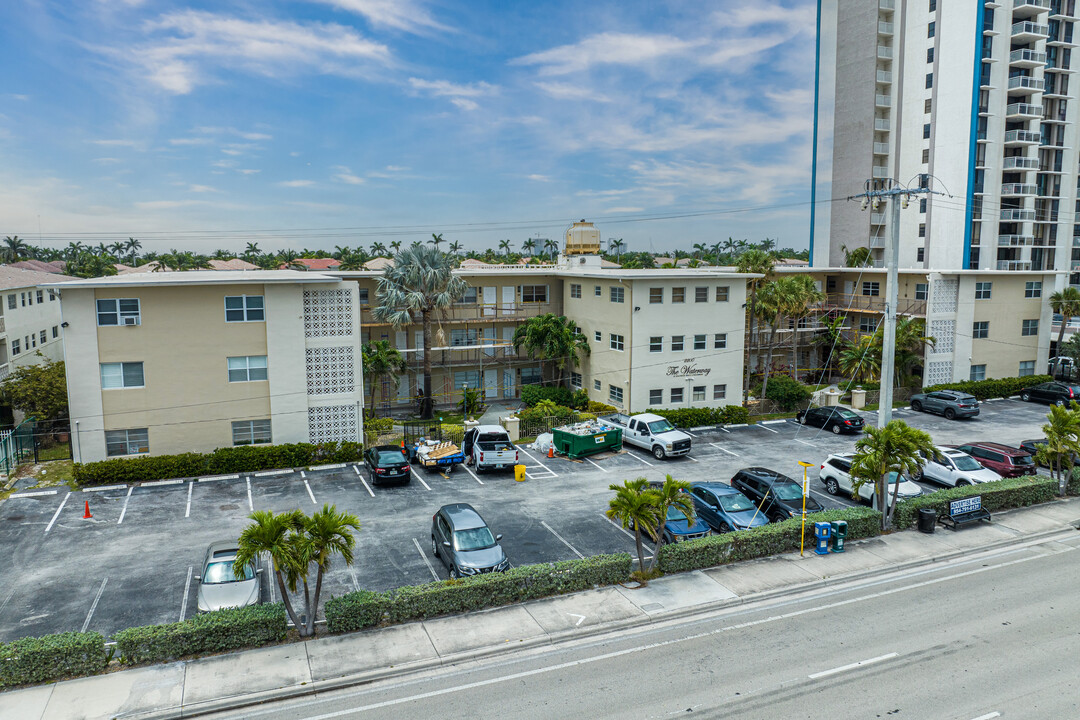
[133, 563]
[992, 637]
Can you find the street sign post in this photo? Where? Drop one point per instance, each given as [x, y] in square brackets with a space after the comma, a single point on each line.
[805, 494]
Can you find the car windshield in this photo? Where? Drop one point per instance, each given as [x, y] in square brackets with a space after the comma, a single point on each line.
[222, 572]
[787, 491]
[736, 503]
[473, 539]
[390, 458]
[964, 462]
[660, 426]
[1023, 460]
[674, 513]
[895, 477]
[846, 414]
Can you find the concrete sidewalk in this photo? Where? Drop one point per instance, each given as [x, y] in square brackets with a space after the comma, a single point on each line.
[193, 687]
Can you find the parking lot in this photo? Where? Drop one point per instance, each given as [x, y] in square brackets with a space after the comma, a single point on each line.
[134, 562]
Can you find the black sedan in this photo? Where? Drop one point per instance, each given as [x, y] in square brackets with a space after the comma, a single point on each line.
[386, 464]
[1056, 393]
[838, 419]
[776, 495]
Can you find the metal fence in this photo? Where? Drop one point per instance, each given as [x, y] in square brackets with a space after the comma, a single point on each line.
[532, 428]
[30, 441]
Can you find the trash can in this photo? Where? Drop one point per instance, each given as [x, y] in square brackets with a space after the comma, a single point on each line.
[821, 537]
[839, 532]
[927, 520]
[519, 473]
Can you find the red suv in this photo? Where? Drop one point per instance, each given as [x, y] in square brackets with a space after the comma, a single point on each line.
[1006, 461]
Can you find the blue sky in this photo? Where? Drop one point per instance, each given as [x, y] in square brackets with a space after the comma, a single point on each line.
[209, 124]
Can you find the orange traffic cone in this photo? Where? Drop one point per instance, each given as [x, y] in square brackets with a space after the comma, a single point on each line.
[86, 512]
[551, 450]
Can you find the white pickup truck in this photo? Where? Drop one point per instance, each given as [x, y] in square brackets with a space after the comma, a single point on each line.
[652, 432]
[488, 447]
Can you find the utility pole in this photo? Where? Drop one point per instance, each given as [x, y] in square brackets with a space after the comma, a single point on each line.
[898, 196]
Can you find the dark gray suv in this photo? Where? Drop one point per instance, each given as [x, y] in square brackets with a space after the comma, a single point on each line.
[463, 541]
[950, 403]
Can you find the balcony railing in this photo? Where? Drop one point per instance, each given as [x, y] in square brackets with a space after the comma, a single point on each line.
[884, 76]
[884, 28]
[877, 218]
[497, 352]
[1029, 30]
[5, 370]
[477, 313]
[877, 241]
[1013, 265]
[887, 4]
[1017, 189]
[881, 171]
[1015, 240]
[1022, 137]
[881, 124]
[1023, 82]
[882, 100]
[1017, 215]
[884, 52]
[872, 303]
[1033, 7]
[2, 328]
[1019, 162]
[881, 148]
[1027, 58]
[1014, 110]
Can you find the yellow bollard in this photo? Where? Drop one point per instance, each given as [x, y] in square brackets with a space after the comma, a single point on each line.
[519, 473]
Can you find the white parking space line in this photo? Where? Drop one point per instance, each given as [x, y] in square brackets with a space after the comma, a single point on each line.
[988, 716]
[640, 459]
[352, 575]
[804, 442]
[369, 492]
[310, 494]
[425, 558]
[123, 511]
[562, 540]
[190, 485]
[36, 493]
[690, 458]
[620, 528]
[546, 468]
[187, 591]
[765, 428]
[104, 488]
[159, 483]
[723, 429]
[466, 468]
[86, 623]
[57, 513]
[417, 476]
[852, 666]
[722, 449]
[251, 505]
[596, 466]
[689, 433]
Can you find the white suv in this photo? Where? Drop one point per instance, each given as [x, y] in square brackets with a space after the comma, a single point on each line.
[956, 468]
[836, 474]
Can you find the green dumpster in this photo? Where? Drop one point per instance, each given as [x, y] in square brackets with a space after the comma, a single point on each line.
[586, 438]
[839, 532]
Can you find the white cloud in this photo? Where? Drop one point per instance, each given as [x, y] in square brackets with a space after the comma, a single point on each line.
[624, 209]
[190, 141]
[608, 49]
[297, 183]
[19, 96]
[167, 204]
[404, 15]
[568, 91]
[107, 160]
[248, 172]
[539, 178]
[397, 168]
[233, 131]
[118, 143]
[445, 88]
[464, 103]
[202, 189]
[346, 176]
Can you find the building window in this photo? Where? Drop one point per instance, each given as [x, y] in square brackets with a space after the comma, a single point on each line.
[15, 347]
[922, 230]
[616, 342]
[118, 311]
[656, 343]
[928, 105]
[615, 394]
[244, 308]
[699, 393]
[11, 302]
[469, 298]
[982, 290]
[722, 293]
[618, 294]
[926, 156]
[656, 296]
[701, 294]
[22, 299]
[127, 442]
[699, 342]
[978, 372]
[980, 330]
[676, 343]
[52, 295]
[121, 375]
[364, 297]
[930, 58]
[43, 337]
[678, 295]
[867, 325]
[926, 132]
[31, 341]
[676, 396]
[247, 368]
[462, 337]
[920, 256]
[575, 379]
[1030, 327]
[56, 331]
[596, 385]
[922, 291]
[1027, 367]
[597, 336]
[471, 378]
[929, 80]
[719, 341]
[719, 392]
[922, 205]
[40, 296]
[871, 289]
[597, 293]
[933, 5]
[575, 290]
[1033, 289]
[656, 397]
[534, 293]
[250, 432]
[930, 32]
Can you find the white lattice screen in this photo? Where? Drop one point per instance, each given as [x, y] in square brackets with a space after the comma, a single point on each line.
[330, 370]
[938, 371]
[944, 334]
[328, 313]
[944, 296]
[332, 422]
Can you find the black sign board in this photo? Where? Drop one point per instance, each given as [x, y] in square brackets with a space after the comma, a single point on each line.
[958, 507]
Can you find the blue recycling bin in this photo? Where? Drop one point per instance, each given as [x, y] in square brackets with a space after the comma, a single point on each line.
[822, 532]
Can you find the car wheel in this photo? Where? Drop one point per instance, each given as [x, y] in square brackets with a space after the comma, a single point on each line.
[917, 475]
[666, 539]
[1026, 397]
[1060, 403]
[802, 419]
[434, 547]
[831, 486]
[962, 483]
[836, 429]
[950, 414]
[724, 528]
[454, 575]
[916, 406]
[658, 452]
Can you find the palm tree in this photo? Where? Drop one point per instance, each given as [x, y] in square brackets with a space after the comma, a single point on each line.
[326, 533]
[14, 250]
[378, 249]
[1062, 442]
[528, 246]
[830, 341]
[861, 360]
[132, 248]
[455, 247]
[895, 448]
[552, 246]
[421, 281]
[436, 240]
[274, 535]
[1065, 303]
[700, 249]
[252, 251]
[381, 360]
[911, 340]
[767, 244]
[633, 507]
[775, 302]
[118, 248]
[859, 257]
[805, 297]
[673, 494]
[395, 245]
[758, 263]
[504, 245]
[551, 338]
[618, 246]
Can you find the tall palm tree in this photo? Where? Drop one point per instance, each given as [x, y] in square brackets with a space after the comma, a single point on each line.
[528, 246]
[767, 245]
[618, 245]
[1065, 303]
[633, 507]
[381, 360]
[804, 300]
[758, 263]
[454, 247]
[700, 249]
[861, 360]
[551, 338]
[1062, 442]
[672, 495]
[326, 533]
[118, 248]
[857, 257]
[395, 245]
[132, 248]
[911, 342]
[421, 282]
[378, 249]
[275, 536]
[830, 341]
[775, 300]
[436, 240]
[895, 448]
[504, 245]
[252, 251]
[14, 249]
[552, 246]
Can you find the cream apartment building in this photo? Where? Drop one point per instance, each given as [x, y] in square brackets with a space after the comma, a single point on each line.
[30, 321]
[173, 362]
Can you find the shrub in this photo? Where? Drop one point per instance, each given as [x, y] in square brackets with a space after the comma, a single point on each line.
[1073, 488]
[532, 394]
[218, 631]
[1001, 387]
[734, 415]
[997, 495]
[355, 611]
[600, 408]
[787, 392]
[580, 400]
[696, 417]
[50, 657]
[452, 433]
[544, 410]
[378, 426]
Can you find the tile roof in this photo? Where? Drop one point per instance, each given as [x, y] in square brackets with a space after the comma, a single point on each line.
[14, 277]
[315, 263]
[233, 264]
[54, 266]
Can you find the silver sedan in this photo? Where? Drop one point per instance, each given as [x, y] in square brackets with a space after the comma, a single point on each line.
[220, 586]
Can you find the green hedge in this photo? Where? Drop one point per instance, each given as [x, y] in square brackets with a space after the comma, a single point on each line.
[696, 417]
[997, 495]
[50, 657]
[788, 393]
[1001, 387]
[527, 582]
[532, 394]
[1073, 488]
[218, 631]
[770, 539]
[245, 458]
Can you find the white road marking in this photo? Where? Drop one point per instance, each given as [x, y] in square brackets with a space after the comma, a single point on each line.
[104, 487]
[689, 433]
[417, 476]
[352, 574]
[334, 466]
[251, 505]
[123, 511]
[765, 428]
[303, 475]
[466, 468]
[36, 493]
[310, 494]
[581, 618]
[57, 513]
[852, 666]
[596, 466]
[187, 512]
[369, 492]
[425, 558]
[272, 472]
[690, 458]
[723, 429]
[158, 483]
[529, 455]
[804, 442]
[718, 447]
[563, 540]
[187, 591]
[640, 459]
[219, 477]
[988, 716]
[774, 422]
[11, 594]
[86, 623]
